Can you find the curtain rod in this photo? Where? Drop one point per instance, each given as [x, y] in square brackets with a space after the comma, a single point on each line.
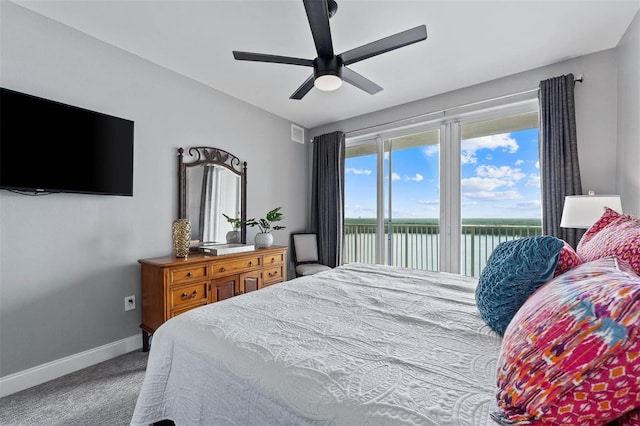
[580, 79]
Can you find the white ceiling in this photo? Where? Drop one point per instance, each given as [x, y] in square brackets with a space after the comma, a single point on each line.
[468, 42]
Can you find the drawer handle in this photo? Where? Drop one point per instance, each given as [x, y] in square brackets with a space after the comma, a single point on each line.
[273, 260]
[250, 263]
[222, 270]
[273, 274]
[189, 274]
[186, 296]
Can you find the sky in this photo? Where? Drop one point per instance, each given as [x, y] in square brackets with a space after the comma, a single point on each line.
[500, 178]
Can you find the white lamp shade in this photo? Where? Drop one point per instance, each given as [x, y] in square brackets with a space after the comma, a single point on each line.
[582, 211]
[327, 82]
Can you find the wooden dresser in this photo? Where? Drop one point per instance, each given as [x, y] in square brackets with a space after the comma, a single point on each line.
[171, 286]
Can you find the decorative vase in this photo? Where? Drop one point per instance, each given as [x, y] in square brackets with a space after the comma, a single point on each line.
[181, 237]
[233, 237]
[263, 240]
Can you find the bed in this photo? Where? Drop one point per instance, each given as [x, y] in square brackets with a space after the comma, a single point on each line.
[547, 335]
[360, 344]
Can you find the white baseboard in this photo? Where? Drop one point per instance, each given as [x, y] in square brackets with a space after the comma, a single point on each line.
[52, 370]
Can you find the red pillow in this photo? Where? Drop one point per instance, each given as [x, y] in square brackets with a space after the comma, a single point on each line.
[567, 259]
[607, 217]
[614, 234]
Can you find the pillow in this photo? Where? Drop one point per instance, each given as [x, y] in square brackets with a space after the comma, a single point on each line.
[614, 234]
[567, 259]
[571, 355]
[607, 217]
[513, 272]
[632, 418]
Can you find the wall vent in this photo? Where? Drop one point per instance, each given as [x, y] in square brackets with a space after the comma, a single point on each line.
[297, 134]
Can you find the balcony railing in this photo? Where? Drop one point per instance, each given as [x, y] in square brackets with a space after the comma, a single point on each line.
[418, 245]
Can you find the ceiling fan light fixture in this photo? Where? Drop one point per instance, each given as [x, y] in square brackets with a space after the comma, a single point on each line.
[327, 82]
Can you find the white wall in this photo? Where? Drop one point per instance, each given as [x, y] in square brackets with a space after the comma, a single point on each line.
[628, 55]
[68, 261]
[596, 111]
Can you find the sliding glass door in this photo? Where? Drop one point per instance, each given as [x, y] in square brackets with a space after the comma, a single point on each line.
[443, 197]
[392, 201]
[500, 186]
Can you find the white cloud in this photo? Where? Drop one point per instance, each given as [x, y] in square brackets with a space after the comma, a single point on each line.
[500, 172]
[358, 210]
[431, 150]
[528, 205]
[468, 158]
[355, 171]
[482, 184]
[519, 162]
[395, 176]
[417, 178]
[537, 164]
[493, 195]
[504, 142]
[434, 202]
[534, 181]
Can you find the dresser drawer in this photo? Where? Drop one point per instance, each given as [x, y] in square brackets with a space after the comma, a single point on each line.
[177, 312]
[193, 273]
[235, 266]
[273, 259]
[188, 295]
[272, 275]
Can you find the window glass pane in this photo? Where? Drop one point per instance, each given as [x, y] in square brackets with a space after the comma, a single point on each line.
[500, 186]
[360, 206]
[410, 200]
[414, 234]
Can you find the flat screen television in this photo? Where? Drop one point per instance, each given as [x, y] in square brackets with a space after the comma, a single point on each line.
[47, 146]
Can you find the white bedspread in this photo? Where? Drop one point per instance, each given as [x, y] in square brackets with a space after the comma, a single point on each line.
[361, 344]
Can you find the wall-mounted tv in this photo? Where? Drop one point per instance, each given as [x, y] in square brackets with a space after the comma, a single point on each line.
[48, 146]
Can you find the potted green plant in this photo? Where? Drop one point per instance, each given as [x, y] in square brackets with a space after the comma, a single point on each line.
[234, 235]
[264, 237]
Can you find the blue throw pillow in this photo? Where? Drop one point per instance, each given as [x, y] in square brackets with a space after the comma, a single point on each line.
[513, 272]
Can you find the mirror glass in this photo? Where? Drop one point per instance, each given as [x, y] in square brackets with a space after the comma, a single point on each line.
[210, 186]
[213, 191]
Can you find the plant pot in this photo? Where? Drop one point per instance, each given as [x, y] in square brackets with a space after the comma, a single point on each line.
[233, 237]
[181, 233]
[263, 240]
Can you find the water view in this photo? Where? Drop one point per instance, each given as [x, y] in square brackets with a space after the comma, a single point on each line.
[416, 242]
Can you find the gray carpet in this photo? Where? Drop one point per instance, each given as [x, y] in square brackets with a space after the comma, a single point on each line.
[104, 394]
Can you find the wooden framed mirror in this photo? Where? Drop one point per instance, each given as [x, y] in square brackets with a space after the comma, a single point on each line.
[213, 182]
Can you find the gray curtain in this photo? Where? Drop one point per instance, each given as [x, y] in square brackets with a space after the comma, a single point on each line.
[327, 196]
[559, 168]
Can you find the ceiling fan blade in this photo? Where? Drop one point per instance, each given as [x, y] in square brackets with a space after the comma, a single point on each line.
[261, 57]
[304, 88]
[359, 81]
[318, 15]
[386, 44]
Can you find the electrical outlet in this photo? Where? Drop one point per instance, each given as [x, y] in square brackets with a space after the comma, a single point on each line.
[129, 303]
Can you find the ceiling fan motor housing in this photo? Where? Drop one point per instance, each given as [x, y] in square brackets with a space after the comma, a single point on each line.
[324, 65]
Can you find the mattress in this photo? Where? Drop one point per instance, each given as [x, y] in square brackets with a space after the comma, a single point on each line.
[360, 344]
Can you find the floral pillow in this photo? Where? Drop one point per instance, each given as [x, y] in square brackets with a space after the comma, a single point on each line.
[571, 354]
[567, 259]
[614, 234]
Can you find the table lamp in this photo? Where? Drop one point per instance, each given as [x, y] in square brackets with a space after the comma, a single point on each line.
[582, 211]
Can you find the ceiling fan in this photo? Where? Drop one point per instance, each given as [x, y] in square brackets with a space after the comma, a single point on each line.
[329, 69]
